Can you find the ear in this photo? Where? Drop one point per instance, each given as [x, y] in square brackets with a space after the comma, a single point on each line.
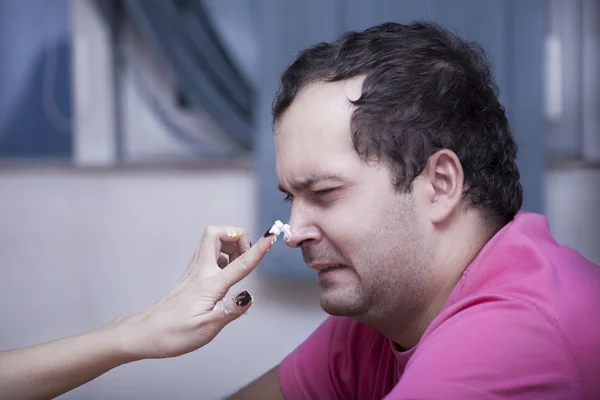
[444, 176]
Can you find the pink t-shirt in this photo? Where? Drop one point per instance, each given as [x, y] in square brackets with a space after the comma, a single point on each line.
[523, 322]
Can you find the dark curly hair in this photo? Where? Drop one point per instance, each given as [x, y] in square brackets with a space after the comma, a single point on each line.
[425, 89]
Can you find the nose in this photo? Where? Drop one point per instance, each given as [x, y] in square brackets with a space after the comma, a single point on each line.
[303, 227]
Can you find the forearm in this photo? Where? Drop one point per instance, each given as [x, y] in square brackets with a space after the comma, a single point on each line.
[50, 369]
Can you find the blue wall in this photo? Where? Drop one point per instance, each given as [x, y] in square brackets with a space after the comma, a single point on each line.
[35, 79]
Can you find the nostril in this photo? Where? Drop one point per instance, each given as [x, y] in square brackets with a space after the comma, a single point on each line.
[295, 241]
[298, 243]
[302, 232]
[301, 243]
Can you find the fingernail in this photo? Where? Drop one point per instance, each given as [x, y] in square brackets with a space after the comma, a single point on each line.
[250, 242]
[243, 298]
[267, 233]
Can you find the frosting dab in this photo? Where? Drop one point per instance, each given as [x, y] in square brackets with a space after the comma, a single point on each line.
[278, 228]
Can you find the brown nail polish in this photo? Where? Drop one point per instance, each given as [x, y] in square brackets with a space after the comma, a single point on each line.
[267, 233]
[243, 299]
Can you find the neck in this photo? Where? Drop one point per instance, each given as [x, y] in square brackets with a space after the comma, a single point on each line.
[460, 241]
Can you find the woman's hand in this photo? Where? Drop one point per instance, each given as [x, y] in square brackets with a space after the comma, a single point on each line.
[186, 318]
[195, 310]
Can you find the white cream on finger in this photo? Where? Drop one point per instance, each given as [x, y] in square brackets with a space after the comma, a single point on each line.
[279, 228]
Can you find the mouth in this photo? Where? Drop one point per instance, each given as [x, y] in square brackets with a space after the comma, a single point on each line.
[331, 273]
[330, 267]
[326, 267]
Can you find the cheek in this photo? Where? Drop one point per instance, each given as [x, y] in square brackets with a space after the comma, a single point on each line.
[380, 226]
[353, 227]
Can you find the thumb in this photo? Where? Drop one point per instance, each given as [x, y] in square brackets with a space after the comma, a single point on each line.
[230, 308]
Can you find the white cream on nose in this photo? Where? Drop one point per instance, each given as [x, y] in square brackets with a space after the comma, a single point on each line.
[278, 228]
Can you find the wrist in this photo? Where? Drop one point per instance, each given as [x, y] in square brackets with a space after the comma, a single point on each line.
[121, 334]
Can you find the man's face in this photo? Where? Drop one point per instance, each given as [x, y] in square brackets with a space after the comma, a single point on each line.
[362, 236]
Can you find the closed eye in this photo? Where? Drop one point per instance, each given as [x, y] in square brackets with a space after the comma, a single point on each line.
[323, 192]
[317, 193]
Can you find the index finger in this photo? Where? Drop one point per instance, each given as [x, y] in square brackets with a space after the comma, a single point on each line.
[246, 263]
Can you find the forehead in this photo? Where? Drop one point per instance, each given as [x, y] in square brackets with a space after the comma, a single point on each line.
[313, 135]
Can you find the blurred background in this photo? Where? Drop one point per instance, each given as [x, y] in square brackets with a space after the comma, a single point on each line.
[128, 126]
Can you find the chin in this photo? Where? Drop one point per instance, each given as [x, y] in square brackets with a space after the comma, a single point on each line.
[343, 303]
[342, 293]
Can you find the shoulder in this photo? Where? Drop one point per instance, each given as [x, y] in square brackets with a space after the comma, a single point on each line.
[494, 343]
[527, 285]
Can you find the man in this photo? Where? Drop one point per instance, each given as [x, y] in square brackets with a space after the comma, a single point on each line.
[400, 164]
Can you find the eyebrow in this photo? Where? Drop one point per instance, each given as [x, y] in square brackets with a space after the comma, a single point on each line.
[311, 180]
